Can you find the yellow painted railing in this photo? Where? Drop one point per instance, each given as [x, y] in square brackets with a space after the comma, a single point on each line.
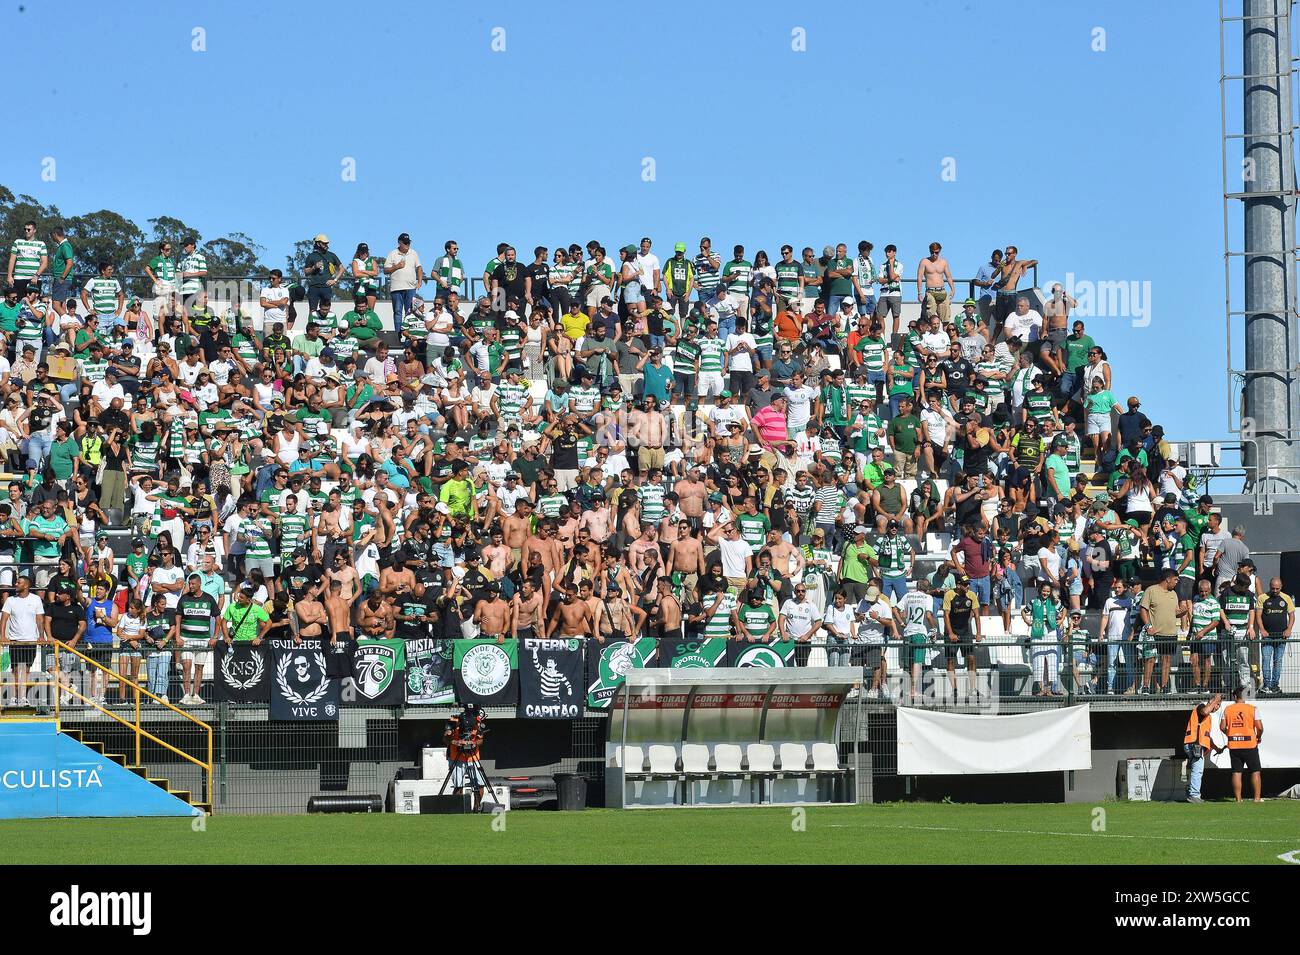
[58, 689]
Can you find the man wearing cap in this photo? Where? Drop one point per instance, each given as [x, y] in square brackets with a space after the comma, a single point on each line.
[960, 609]
[678, 280]
[322, 271]
[405, 275]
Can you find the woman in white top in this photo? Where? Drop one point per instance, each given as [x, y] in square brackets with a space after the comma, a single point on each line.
[1097, 367]
[354, 442]
[454, 400]
[1139, 499]
[286, 445]
[365, 274]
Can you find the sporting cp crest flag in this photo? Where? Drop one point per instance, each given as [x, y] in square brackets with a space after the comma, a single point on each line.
[242, 675]
[378, 673]
[300, 687]
[607, 666]
[428, 672]
[681, 653]
[550, 679]
[486, 672]
[741, 653]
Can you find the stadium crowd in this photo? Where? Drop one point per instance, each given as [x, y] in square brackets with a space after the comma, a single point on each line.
[704, 445]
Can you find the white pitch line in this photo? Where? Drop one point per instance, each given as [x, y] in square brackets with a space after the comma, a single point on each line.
[1291, 857]
[1030, 832]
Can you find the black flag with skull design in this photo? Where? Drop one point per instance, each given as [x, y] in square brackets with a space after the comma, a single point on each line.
[301, 687]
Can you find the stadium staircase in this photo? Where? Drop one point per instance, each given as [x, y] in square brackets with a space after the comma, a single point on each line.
[34, 724]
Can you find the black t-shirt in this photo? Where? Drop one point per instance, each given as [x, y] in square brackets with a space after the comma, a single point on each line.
[112, 418]
[64, 619]
[564, 451]
[959, 374]
[960, 610]
[510, 276]
[211, 342]
[541, 276]
[298, 582]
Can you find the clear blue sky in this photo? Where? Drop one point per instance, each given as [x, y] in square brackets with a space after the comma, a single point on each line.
[1100, 164]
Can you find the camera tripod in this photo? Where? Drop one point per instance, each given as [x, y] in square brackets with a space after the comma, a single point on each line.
[475, 777]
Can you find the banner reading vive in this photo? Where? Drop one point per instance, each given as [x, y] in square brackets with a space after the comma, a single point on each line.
[300, 687]
[378, 673]
[428, 672]
[550, 679]
[242, 674]
[607, 666]
[486, 672]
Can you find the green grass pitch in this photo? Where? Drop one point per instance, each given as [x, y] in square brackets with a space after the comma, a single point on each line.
[1112, 833]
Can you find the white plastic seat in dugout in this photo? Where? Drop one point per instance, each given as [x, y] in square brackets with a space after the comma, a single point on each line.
[761, 757]
[663, 760]
[726, 757]
[794, 758]
[632, 761]
[695, 759]
[825, 758]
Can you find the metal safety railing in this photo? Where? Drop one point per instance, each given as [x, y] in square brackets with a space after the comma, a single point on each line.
[63, 711]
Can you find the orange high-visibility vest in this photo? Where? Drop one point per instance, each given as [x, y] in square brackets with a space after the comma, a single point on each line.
[1240, 718]
[1198, 730]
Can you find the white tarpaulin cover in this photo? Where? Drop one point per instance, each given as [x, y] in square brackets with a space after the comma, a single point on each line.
[931, 744]
[1280, 747]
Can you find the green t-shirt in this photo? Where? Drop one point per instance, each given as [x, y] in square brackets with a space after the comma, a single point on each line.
[903, 429]
[755, 620]
[62, 456]
[54, 526]
[62, 257]
[842, 285]
[753, 530]
[245, 620]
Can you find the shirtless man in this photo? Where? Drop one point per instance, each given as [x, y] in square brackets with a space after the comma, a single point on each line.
[651, 431]
[786, 558]
[515, 529]
[338, 609]
[549, 547]
[526, 619]
[572, 617]
[497, 556]
[1009, 275]
[638, 550]
[686, 557]
[312, 618]
[931, 277]
[584, 548]
[617, 619]
[599, 520]
[493, 614]
[393, 579]
[668, 610]
[690, 496]
[346, 574]
[375, 616]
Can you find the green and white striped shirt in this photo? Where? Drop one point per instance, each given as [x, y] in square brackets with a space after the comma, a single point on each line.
[737, 275]
[27, 255]
[195, 262]
[165, 271]
[584, 399]
[451, 271]
[707, 278]
[719, 625]
[93, 371]
[711, 352]
[511, 399]
[651, 497]
[551, 505]
[103, 295]
[787, 279]
[293, 528]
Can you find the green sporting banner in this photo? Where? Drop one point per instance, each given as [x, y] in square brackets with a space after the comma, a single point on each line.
[486, 672]
[608, 663]
[378, 673]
